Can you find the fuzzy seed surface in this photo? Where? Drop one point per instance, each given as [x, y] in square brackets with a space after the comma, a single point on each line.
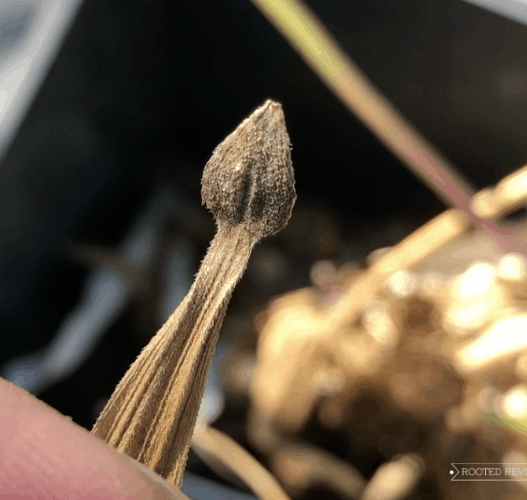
[249, 179]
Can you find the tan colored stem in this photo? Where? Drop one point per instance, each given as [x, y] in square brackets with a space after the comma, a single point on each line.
[214, 444]
[153, 411]
[304, 466]
[442, 229]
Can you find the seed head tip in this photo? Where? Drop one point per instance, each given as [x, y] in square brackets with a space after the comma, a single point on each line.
[249, 179]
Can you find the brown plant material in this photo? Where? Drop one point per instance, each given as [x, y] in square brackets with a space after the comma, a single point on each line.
[509, 194]
[302, 466]
[248, 184]
[284, 390]
[219, 450]
[395, 480]
[441, 230]
[422, 354]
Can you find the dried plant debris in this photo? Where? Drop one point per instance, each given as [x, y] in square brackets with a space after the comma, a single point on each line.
[421, 356]
[248, 184]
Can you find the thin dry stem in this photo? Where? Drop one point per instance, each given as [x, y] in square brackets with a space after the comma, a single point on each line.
[510, 193]
[302, 466]
[222, 448]
[409, 252]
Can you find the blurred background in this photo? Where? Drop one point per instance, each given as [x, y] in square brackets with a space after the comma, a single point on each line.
[102, 149]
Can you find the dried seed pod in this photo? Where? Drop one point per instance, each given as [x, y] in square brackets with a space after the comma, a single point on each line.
[249, 180]
[249, 186]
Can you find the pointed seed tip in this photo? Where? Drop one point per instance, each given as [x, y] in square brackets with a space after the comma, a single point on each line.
[269, 108]
[250, 179]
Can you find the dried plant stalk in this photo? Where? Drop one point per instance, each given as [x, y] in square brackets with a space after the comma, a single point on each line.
[395, 480]
[409, 252]
[509, 194]
[213, 444]
[248, 184]
[302, 466]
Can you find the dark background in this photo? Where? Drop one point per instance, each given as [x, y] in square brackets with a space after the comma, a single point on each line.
[143, 91]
